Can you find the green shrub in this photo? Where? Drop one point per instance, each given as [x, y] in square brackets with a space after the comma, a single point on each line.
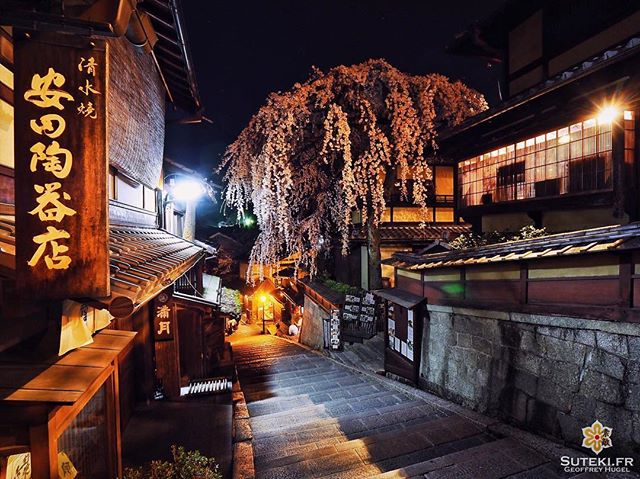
[185, 465]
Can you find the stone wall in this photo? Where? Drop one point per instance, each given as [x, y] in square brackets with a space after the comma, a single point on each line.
[311, 332]
[554, 375]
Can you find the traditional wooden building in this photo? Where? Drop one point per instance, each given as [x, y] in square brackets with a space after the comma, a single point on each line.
[542, 332]
[403, 228]
[89, 319]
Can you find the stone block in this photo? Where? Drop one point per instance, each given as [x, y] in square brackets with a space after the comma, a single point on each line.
[566, 375]
[613, 343]
[634, 347]
[583, 408]
[559, 350]
[602, 388]
[527, 362]
[570, 428]
[633, 397]
[586, 337]
[525, 382]
[482, 345]
[633, 372]
[510, 335]
[554, 395]
[519, 407]
[635, 424]
[565, 334]
[606, 363]
[463, 340]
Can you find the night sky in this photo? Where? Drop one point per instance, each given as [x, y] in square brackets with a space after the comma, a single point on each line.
[243, 50]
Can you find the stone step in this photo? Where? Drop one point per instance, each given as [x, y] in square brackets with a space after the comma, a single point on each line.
[315, 397]
[493, 460]
[327, 435]
[371, 469]
[385, 445]
[322, 368]
[253, 394]
[347, 422]
[294, 378]
[328, 407]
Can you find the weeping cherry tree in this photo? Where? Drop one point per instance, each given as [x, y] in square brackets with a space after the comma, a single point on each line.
[334, 145]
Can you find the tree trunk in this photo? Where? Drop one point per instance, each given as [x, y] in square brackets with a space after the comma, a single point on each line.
[373, 248]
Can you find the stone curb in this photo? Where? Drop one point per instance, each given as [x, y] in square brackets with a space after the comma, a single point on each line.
[243, 463]
[547, 447]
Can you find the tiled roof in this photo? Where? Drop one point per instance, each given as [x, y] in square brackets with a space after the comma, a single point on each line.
[413, 233]
[142, 261]
[145, 260]
[607, 57]
[597, 240]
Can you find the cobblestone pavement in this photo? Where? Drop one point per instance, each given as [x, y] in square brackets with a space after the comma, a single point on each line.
[312, 417]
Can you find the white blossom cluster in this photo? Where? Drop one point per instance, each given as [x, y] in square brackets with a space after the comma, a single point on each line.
[334, 145]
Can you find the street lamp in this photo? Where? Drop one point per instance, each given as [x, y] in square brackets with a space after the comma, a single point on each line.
[263, 299]
[185, 189]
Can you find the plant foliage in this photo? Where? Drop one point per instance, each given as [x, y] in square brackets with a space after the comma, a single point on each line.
[185, 465]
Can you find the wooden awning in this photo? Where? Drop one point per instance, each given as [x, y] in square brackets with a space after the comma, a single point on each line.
[399, 297]
[60, 379]
[143, 261]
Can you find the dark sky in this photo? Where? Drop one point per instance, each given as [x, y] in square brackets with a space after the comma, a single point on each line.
[243, 50]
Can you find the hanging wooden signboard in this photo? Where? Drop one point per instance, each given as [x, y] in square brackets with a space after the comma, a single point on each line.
[163, 317]
[61, 166]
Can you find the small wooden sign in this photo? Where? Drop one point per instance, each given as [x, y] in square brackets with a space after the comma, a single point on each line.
[61, 166]
[163, 317]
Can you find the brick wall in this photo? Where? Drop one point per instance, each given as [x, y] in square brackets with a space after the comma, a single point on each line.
[135, 112]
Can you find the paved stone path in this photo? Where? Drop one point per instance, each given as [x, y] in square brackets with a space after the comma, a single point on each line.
[312, 417]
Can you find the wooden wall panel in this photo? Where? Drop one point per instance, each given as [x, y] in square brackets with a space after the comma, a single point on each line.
[409, 284]
[596, 292]
[507, 292]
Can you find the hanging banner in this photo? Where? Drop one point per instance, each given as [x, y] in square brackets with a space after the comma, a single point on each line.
[61, 166]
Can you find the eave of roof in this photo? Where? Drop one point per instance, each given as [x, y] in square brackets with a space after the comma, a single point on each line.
[143, 261]
[172, 52]
[605, 59]
[414, 233]
[597, 240]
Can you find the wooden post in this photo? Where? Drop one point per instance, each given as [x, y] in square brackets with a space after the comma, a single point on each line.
[44, 451]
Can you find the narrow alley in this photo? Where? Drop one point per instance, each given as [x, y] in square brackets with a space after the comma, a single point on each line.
[312, 417]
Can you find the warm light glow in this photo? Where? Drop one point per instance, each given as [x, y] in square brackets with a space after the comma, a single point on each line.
[628, 115]
[608, 114]
[187, 190]
[263, 298]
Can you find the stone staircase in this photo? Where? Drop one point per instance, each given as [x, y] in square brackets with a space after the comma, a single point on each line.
[367, 356]
[313, 418]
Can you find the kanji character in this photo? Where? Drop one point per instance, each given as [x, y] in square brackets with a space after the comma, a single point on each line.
[50, 208]
[88, 87]
[163, 312]
[41, 93]
[46, 125]
[164, 327]
[50, 158]
[54, 260]
[88, 110]
[88, 65]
